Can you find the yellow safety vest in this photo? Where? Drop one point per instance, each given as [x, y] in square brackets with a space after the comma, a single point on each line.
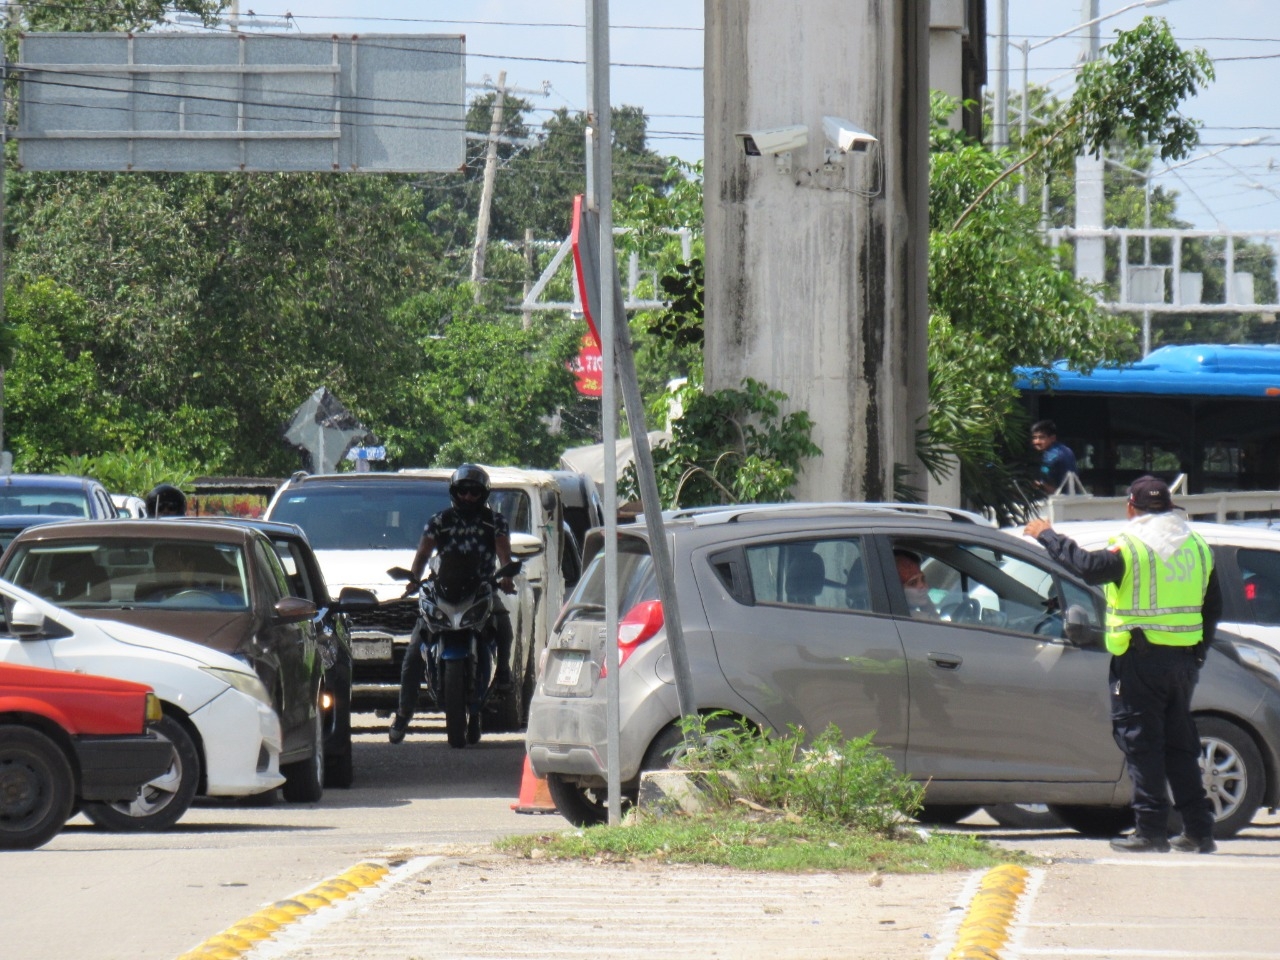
[1164, 598]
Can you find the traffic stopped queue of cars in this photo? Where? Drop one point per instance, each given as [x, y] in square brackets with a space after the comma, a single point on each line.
[228, 621]
[793, 614]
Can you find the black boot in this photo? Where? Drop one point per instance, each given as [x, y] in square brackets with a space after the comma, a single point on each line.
[399, 727]
[473, 727]
[1138, 843]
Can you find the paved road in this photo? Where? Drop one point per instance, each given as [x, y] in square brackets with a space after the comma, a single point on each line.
[430, 812]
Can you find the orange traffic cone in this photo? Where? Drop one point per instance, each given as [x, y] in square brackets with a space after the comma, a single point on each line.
[534, 795]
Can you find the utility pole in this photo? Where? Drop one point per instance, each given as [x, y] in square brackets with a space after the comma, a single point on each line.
[1000, 127]
[530, 263]
[486, 194]
[1090, 251]
[490, 174]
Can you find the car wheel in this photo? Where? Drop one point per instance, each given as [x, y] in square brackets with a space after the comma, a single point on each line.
[1100, 822]
[581, 806]
[304, 780]
[946, 813]
[339, 770]
[1233, 774]
[37, 788]
[162, 801]
[528, 684]
[504, 717]
[1023, 816]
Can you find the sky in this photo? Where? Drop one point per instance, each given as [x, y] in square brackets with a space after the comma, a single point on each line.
[657, 55]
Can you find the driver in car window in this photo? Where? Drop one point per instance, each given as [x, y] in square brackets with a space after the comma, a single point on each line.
[914, 585]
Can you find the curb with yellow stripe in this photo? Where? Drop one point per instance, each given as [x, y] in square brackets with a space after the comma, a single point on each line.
[984, 932]
[246, 934]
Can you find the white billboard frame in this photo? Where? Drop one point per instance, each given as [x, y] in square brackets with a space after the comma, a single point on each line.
[192, 102]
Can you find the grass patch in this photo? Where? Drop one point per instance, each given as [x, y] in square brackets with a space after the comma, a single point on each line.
[780, 845]
[779, 803]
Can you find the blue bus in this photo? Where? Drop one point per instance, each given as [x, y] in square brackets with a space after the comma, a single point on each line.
[1211, 411]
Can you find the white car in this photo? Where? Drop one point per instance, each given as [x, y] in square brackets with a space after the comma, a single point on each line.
[1246, 557]
[217, 713]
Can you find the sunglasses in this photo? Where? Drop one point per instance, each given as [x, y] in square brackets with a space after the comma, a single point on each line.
[470, 493]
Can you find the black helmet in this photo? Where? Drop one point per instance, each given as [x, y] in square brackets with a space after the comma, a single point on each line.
[166, 500]
[465, 479]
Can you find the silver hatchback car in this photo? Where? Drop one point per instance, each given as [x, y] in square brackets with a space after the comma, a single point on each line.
[992, 688]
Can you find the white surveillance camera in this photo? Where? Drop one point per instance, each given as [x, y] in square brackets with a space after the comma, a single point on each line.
[774, 140]
[845, 135]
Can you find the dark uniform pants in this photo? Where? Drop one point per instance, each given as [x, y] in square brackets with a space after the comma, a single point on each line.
[1151, 687]
[414, 667]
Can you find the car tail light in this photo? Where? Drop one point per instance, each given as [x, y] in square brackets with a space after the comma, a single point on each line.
[642, 622]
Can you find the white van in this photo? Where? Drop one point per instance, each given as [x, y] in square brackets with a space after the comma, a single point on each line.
[217, 714]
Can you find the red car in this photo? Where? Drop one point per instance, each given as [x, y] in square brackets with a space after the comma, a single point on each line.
[67, 737]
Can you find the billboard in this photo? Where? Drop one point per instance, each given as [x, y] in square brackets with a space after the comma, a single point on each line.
[186, 102]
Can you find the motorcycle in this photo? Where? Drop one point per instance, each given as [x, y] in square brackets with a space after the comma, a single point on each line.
[455, 606]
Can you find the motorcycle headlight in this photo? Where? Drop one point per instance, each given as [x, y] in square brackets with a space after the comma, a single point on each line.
[246, 683]
[475, 614]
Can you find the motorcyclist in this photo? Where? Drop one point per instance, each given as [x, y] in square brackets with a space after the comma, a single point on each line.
[166, 500]
[469, 531]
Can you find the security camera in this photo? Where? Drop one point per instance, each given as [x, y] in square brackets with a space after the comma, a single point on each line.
[845, 135]
[774, 140]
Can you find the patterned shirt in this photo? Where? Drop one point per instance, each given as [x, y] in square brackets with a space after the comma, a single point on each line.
[471, 537]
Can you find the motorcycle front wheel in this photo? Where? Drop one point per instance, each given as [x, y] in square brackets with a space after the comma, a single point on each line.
[455, 694]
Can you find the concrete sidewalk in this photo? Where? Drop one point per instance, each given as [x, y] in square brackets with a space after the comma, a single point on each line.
[490, 906]
[1082, 902]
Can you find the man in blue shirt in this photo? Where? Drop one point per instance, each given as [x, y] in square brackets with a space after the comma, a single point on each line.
[1056, 458]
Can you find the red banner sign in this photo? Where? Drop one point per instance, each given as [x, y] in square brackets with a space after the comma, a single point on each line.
[588, 367]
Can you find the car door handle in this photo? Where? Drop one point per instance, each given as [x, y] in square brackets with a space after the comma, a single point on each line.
[947, 661]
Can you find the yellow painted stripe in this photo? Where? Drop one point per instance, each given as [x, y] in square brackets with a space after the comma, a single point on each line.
[984, 932]
[246, 934]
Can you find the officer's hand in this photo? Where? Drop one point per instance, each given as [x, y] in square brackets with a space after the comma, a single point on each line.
[507, 585]
[1037, 527]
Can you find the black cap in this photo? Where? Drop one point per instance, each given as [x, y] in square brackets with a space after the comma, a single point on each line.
[1150, 494]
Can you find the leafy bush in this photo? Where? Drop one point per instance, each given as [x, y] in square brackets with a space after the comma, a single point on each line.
[831, 780]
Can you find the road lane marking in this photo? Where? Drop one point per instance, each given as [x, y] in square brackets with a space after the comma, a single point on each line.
[985, 928]
[331, 898]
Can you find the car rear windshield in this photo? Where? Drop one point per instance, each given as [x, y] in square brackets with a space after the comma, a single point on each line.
[636, 579]
[129, 573]
[44, 501]
[380, 516]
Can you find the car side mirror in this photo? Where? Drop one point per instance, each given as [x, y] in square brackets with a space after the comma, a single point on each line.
[355, 600]
[525, 545]
[1079, 629]
[294, 610]
[25, 620]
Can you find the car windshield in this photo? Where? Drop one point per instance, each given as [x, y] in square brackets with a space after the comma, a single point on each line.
[369, 515]
[132, 573]
[50, 501]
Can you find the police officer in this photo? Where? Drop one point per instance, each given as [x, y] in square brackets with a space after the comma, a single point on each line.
[1163, 605]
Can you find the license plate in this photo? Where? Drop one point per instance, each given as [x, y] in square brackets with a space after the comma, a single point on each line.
[570, 667]
[371, 649]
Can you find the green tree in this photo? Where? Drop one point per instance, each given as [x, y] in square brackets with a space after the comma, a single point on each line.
[729, 446]
[218, 303]
[998, 297]
[485, 388]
